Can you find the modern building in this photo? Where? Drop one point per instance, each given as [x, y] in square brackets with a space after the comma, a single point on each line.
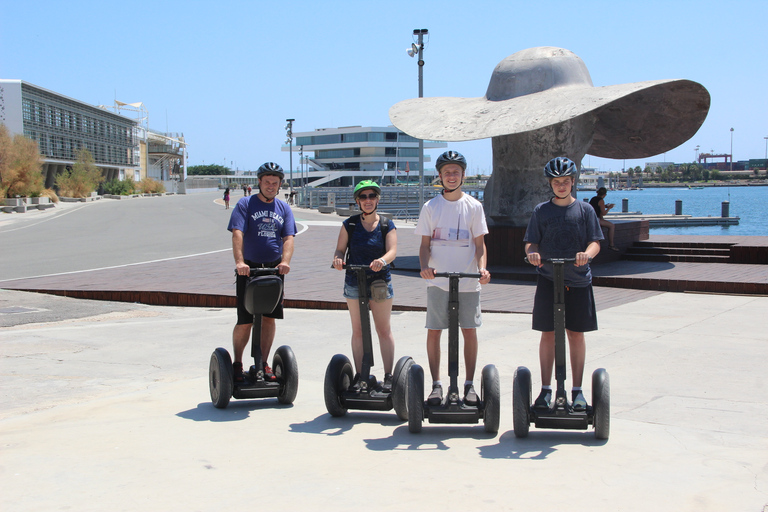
[122, 148]
[343, 156]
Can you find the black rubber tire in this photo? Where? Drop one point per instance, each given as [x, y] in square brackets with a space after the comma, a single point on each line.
[521, 401]
[400, 386]
[491, 395]
[601, 403]
[338, 378]
[286, 370]
[220, 379]
[415, 398]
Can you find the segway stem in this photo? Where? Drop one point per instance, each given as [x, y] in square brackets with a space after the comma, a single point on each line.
[365, 321]
[453, 328]
[258, 356]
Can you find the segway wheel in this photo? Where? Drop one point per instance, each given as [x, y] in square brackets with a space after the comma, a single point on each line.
[338, 378]
[400, 386]
[415, 398]
[287, 372]
[491, 396]
[220, 378]
[521, 401]
[601, 403]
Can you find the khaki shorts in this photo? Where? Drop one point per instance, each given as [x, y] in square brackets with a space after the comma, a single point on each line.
[470, 316]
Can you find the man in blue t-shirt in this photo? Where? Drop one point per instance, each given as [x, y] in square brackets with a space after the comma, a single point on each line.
[563, 228]
[262, 229]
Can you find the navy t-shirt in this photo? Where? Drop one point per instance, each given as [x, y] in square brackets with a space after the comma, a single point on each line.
[264, 225]
[364, 247]
[561, 232]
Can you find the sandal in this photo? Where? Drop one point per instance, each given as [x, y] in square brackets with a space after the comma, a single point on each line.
[614, 248]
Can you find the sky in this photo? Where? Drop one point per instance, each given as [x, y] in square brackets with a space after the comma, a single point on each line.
[228, 74]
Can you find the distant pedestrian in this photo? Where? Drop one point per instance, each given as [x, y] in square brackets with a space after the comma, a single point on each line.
[226, 199]
[249, 190]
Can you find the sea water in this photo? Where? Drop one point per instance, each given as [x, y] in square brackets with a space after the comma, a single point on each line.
[747, 203]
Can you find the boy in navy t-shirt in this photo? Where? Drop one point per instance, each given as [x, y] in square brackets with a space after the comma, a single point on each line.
[563, 228]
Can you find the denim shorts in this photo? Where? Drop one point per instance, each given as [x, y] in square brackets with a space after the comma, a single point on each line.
[470, 316]
[350, 291]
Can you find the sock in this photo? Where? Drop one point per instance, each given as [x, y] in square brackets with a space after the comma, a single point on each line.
[548, 388]
[468, 382]
[437, 383]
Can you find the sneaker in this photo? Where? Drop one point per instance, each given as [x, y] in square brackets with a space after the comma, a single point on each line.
[387, 384]
[355, 385]
[544, 400]
[268, 374]
[436, 396]
[237, 372]
[579, 402]
[470, 397]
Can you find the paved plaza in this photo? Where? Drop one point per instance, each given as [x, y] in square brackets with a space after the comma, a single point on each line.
[105, 405]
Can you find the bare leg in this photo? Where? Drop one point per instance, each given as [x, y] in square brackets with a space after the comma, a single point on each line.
[578, 350]
[547, 356]
[470, 351]
[433, 352]
[240, 336]
[357, 333]
[611, 230]
[267, 336]
[382, 312]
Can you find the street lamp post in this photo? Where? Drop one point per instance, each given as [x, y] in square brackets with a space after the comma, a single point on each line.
[415, 49]
[766, 147]
[289, 140]
[731, 152]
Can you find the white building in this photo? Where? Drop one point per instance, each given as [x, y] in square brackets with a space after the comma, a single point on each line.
[344, 156]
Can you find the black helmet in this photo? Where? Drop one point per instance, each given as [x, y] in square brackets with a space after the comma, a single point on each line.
[270, 169]
[560, 167]
[451, 157]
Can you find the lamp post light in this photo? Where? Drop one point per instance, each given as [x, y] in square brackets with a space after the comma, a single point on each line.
[766, 147]
[418, 48]
[289, 140]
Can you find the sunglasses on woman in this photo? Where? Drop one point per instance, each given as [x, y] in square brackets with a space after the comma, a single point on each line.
[368, 196]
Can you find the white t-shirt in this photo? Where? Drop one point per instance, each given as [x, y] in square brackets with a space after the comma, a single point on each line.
[453, 227]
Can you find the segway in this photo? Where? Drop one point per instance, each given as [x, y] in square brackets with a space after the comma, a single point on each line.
[561, 414]
[262, 294]
[341, 393]
[452, 409]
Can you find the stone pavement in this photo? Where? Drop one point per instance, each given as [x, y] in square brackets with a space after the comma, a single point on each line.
[106, 405]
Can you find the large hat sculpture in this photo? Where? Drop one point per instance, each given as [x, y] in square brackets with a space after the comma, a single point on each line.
[539, 88]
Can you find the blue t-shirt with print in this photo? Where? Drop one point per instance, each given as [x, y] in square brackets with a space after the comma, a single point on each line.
[264, 225]
[561, 232]
[364, 247]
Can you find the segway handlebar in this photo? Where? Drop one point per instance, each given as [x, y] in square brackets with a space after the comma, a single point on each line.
[262, 271]
[458, 274]
[556, 260]
[357, 267]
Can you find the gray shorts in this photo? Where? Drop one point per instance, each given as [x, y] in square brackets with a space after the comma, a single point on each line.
[437, 309]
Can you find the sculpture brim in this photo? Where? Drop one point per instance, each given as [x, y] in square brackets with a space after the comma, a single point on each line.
[634, 120]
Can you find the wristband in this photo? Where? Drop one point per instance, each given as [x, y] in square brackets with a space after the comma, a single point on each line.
[383, 261]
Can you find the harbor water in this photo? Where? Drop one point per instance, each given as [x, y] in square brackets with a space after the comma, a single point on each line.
[747, 203]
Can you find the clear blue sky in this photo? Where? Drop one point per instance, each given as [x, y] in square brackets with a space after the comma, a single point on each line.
[227, 74]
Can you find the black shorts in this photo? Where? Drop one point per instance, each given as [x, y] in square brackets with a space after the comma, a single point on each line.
[243, 316]
[580, 311]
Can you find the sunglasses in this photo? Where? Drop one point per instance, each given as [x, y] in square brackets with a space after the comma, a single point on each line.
[368, 196]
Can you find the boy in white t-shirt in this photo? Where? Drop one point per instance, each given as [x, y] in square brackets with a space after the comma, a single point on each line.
[452, 229]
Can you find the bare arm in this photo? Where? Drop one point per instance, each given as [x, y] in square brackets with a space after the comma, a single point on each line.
[424, 252]
[582, 258]
[285, 264]
[341, 248]
[237, 250]
[481, 254]
[390, 244]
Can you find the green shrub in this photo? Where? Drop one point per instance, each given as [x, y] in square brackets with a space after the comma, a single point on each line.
[118, 188]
